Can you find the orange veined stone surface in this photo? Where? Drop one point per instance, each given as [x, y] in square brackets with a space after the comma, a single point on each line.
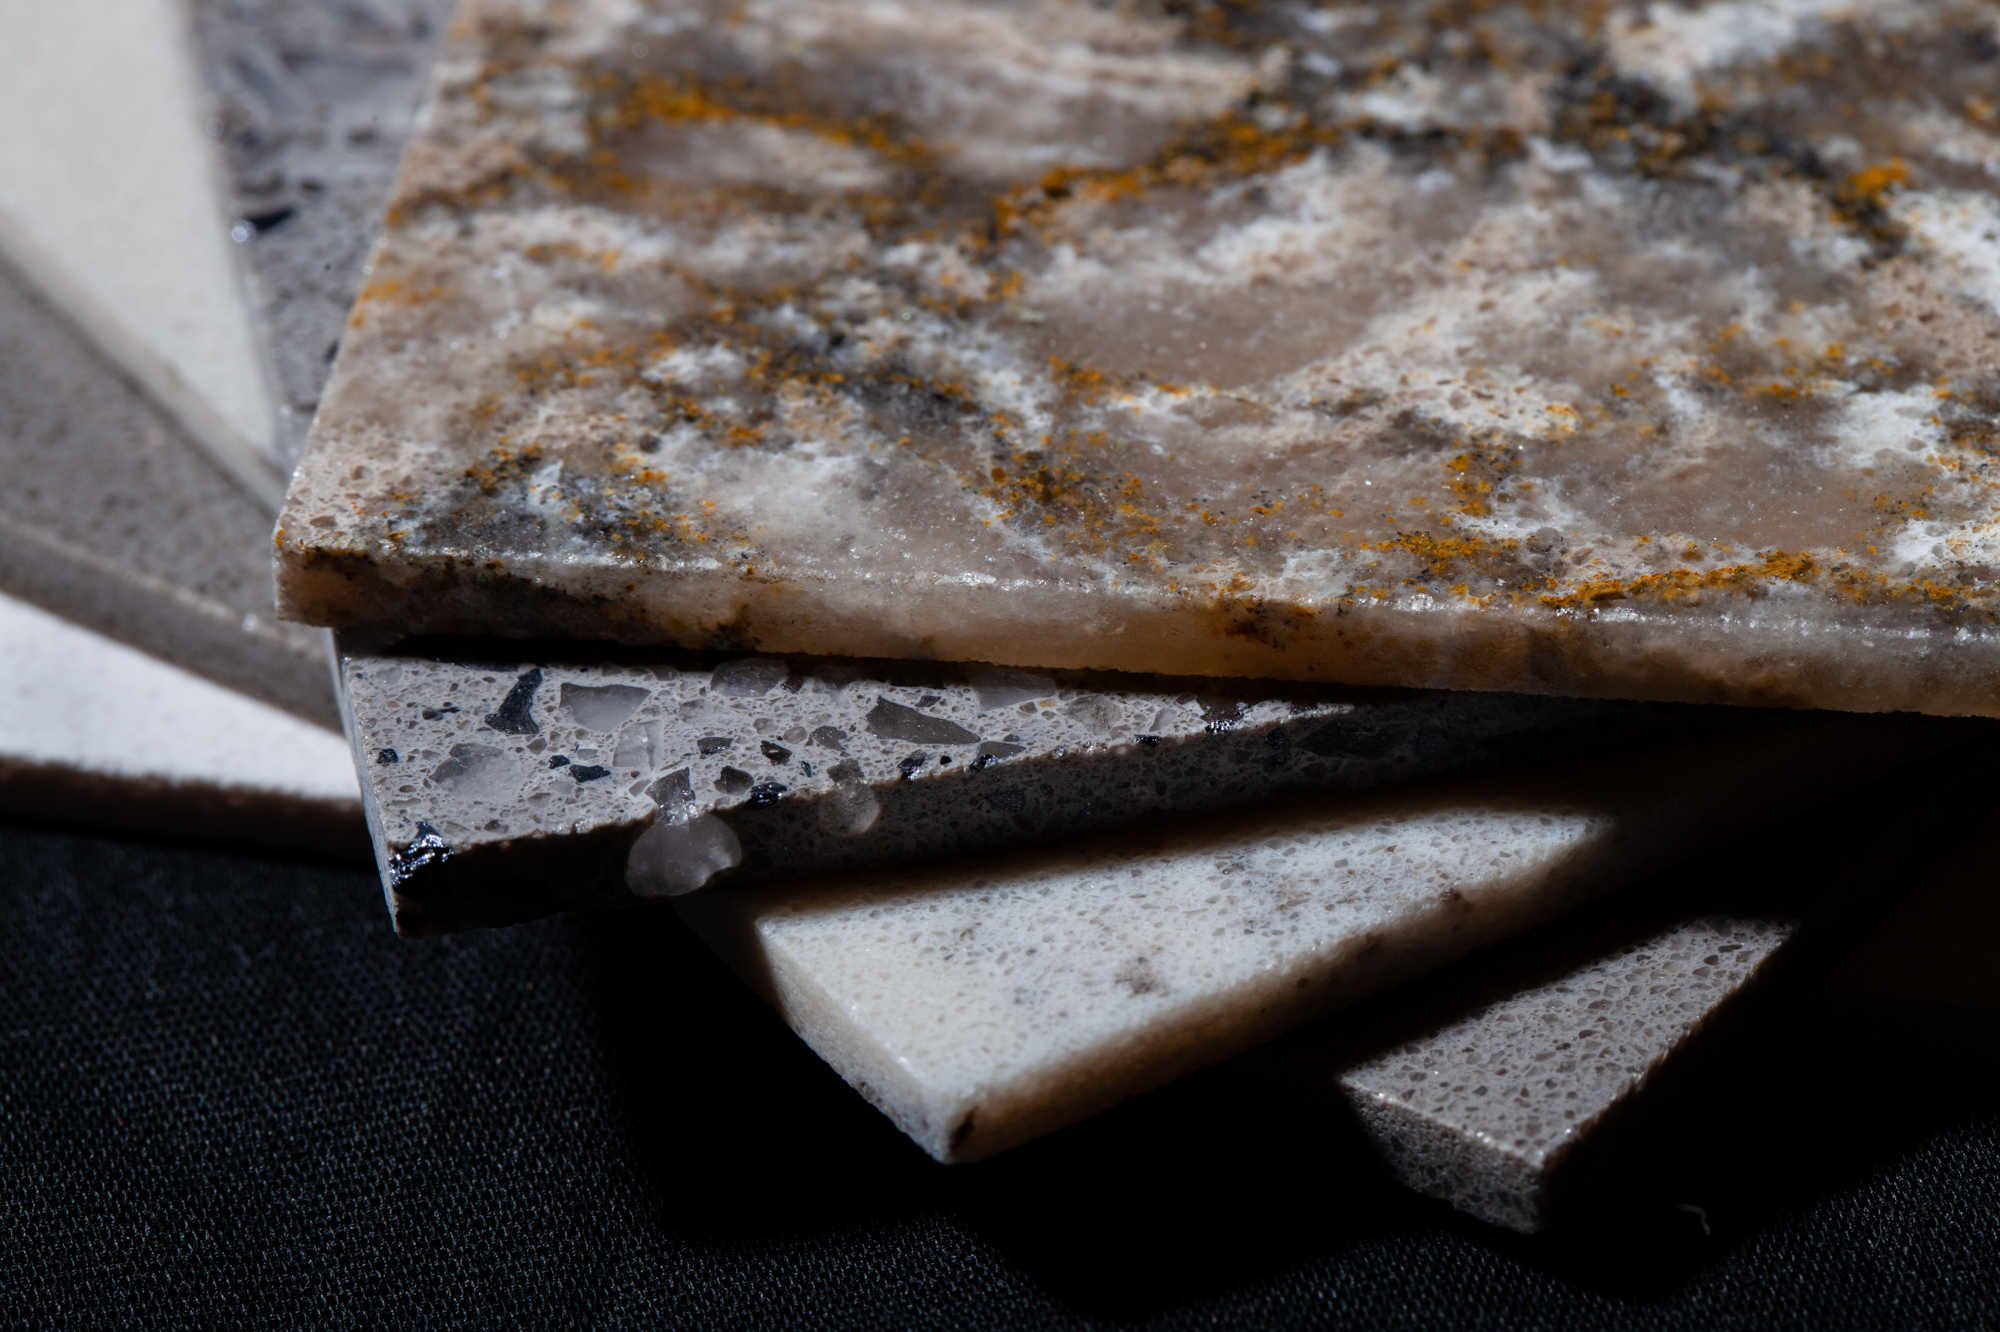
[1622, 350]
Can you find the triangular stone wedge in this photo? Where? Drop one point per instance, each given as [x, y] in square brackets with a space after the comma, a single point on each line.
[111, 203]
[982, 1005]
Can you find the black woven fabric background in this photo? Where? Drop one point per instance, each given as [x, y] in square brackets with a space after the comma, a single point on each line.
[229, 1096]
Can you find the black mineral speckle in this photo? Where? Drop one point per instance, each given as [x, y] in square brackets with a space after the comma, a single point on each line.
[765, 793]
[388, 756]
[894, 721]
[432, 714]
[513, 717]
[775, 753]
[426, 850]
[588, 772]
[1149, 740]
[912, 764]
[711, 745]
[558, 761]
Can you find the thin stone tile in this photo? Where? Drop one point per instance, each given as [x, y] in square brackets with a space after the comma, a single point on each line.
[984, 1004]
[1482, 1111]
[112, 519]
[502, 786]
[111, 203]
[96, 734]
[1631, 353]
[314, 104]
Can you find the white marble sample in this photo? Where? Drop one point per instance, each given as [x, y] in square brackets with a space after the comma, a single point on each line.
[1629, 350]
[112, 203]
[981, 1005]
[95, 733]
[502, 786]
[1481, 1111]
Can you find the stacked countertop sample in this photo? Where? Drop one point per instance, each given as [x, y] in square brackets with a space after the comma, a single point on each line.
[899, 430]
[1624, 351]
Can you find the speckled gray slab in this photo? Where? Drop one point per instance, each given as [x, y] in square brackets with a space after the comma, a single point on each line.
[512, 785]
[982, 1003]
[110, 517]
[314, 104]
[1482, 1111]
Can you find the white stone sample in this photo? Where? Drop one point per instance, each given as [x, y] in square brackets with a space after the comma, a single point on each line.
[94, 732]
[111, 202]
[982, 1005]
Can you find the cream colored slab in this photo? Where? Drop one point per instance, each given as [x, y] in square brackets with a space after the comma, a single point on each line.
[93, 732]
[980, 1006]
[111, 202]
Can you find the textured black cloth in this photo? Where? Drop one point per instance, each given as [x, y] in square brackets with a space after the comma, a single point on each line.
[230, 1096]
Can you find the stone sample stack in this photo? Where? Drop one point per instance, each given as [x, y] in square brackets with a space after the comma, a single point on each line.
[1617, 352]
[893, 426]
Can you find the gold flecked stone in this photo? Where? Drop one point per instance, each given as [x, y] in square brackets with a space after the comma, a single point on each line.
[1621, 349]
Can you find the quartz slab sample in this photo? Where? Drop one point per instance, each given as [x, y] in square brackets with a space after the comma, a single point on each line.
[501, 786]
[1633, 350]
[1484, 1109]
[314, 103]
[981, 1005]
[95, 733]
[112, 519]
[111, 202]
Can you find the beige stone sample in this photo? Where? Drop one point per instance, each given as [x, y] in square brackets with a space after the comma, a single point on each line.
[111, 201]
[982, 1005]
[1607, 352]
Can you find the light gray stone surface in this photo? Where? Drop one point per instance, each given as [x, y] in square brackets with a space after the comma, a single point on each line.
[982, 1004]
[314, 103]
[112, 519]
[96, 734]
[1480, 1111]
[512, 785]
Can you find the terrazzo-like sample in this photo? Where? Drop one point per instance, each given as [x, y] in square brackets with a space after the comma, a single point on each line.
[111, 203]
[314, 104]
[1482, 1111]
[97, 734]
[1624, 350]
[501, 787]
[981, 1005]
[112, 519]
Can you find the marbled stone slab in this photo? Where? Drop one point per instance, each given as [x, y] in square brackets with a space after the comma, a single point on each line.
[981, 1005]
[1636, 350]
[314, 104]
[111, 518]
[503, 786]
[93, 733]
[111, 203]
